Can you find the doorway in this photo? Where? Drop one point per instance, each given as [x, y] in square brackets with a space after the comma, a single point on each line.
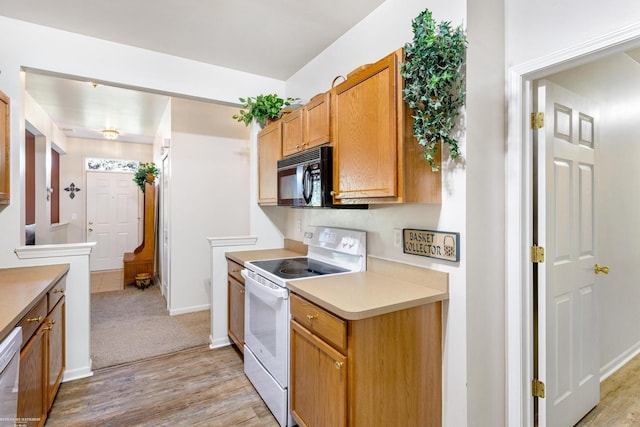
[619, 345]
[113, 218]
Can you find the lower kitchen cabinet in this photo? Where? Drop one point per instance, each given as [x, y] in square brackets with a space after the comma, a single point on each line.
[55, 350]
[235, 307]
[378, 371]
[42, 357]
[31, 402]
[318, 380]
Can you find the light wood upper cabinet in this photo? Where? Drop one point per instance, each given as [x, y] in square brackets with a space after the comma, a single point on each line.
[307, 127]
[292, 133]
[376, 157]
[269, 152]
[4, 150]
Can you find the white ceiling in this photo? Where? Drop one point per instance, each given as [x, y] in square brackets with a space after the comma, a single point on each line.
[272, 38]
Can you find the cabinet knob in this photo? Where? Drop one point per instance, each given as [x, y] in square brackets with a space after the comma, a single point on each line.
[34, 319]
[58, 291]
[310, 317]
[47, 328]
[242, 292]
[338, 365]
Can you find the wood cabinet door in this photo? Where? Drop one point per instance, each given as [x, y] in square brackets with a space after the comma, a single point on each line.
[292, 135]
[365, 132]
[4, 150]
[269, 152]
[55, 323]
[236, 312]
[31, 388]
[318, 381]
[317, 120]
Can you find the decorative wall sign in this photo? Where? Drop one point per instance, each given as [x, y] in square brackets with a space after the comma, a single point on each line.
[72, 190]
[430, 243]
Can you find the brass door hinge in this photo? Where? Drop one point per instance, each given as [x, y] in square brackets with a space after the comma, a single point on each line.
[537, 121]
[537, 388]
[537, 254]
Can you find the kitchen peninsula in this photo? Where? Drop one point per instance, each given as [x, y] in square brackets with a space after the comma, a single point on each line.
[33, 298]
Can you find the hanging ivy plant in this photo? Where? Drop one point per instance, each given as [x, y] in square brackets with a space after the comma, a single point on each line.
[434, 84]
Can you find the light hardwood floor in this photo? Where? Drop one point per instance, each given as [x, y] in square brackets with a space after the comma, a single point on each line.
[195, 387]
[619, 399]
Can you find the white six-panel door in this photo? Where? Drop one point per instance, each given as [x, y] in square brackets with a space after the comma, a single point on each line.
[112, 218]
[568, 344]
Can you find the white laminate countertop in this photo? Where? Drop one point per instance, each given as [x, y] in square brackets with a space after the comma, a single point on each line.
[21, 288]
[357, 296]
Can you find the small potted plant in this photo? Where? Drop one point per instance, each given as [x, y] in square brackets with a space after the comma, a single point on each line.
[262, 108]
[147, 172]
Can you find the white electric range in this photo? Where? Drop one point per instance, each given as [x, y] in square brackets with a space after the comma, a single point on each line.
[266, 356]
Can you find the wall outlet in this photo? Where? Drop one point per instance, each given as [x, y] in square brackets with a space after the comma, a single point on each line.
[298, 225]
[397, 238]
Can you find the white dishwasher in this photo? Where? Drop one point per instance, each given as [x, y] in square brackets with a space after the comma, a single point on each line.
[9, 367]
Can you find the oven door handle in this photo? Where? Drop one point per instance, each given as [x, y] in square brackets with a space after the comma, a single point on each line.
[281, 293]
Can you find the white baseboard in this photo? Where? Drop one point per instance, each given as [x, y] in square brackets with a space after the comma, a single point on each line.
[191, 309]
[610, 368]
[220, 342]
[76, 374]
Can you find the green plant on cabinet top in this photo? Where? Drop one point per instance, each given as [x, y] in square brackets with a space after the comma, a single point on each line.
[146, 172]
[434, 83]
[262, 108]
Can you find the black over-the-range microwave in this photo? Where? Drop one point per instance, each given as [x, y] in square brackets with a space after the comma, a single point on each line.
[305, 179]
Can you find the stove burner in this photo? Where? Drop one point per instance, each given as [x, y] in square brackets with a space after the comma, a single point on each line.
[292, 271]
[294, 268]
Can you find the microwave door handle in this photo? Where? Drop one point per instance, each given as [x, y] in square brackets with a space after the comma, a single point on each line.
[307, 185]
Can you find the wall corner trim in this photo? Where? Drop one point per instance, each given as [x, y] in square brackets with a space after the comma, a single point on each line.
[232, 241]
[51, 251]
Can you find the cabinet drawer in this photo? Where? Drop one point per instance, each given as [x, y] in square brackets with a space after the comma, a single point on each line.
[234, 269]
[321, 322]
[56, 293]
[33, 319]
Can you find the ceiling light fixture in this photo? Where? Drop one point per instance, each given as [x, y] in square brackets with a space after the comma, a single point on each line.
[110, 133]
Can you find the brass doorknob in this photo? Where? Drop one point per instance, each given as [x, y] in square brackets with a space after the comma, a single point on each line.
[601, 269]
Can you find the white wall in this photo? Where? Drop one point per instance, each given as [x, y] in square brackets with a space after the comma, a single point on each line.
[48, 136]
[614, 83]
[473, 363]
[209, 197]
[535, 29]
[75, 55]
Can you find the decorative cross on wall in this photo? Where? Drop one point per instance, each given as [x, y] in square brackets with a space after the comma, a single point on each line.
[72, 190]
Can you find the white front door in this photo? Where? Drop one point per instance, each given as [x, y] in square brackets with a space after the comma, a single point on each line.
[568, 343]
[112, 218]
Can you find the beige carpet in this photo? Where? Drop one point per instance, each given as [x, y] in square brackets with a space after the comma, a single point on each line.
[133, 324]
